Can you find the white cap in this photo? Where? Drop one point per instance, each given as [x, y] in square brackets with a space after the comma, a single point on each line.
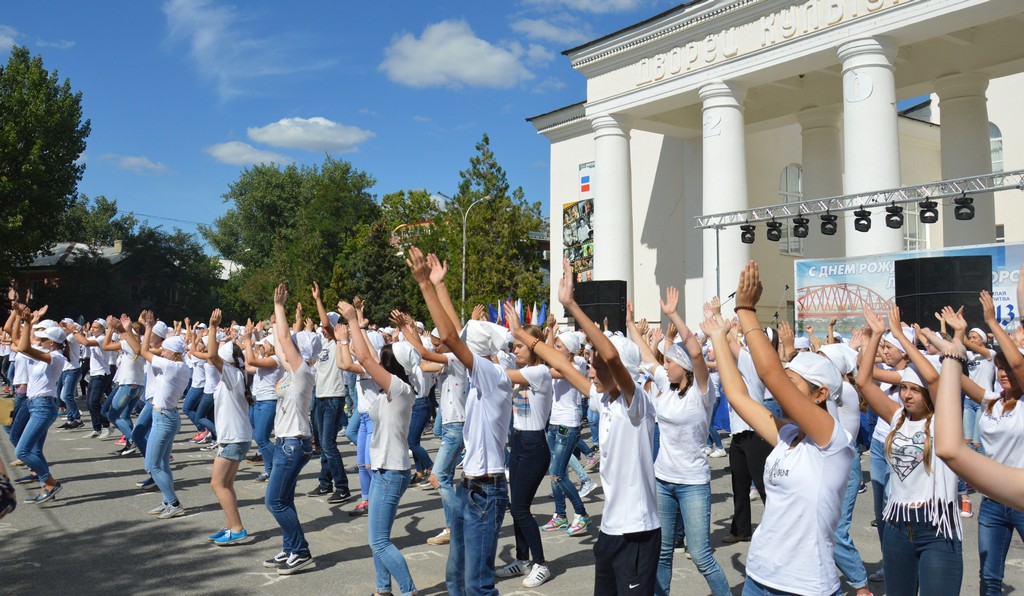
[308, 344]
[842, 356]
[677, 353]
[54, 334]
[410, 359]
[174, 344]
[802, 343]
[908, 332]
[570, 341]
[483, 338]
[160, 329]
[333, 318]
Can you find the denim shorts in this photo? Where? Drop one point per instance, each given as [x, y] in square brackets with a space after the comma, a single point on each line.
[233, 451]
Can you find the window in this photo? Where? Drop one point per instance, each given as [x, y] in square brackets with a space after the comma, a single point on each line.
[995, 140]
[790, 191]
[915, 237]
[1000, 233]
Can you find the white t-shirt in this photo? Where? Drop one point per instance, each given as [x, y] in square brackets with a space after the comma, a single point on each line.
[74, 358]
[230, 410]
[131, 366]
[391, 414]
[150, 387]
[368, 390]
[1002, 432]
[212, 376]
[755, 387]
[792, 548]
[198, 371]
[99, 361]
[21, 368]
[265, 380]
[684, 421]
[531, 406]
[914, 492]
[627, 462]
[488, 411]
[981, 370]
[42, 377]
[565, 405]
[168, 379]
[882, 426]
[292, 416]
[330, 380]
[846, 409]
[454, 382]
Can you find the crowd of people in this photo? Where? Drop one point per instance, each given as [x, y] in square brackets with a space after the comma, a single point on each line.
[510, 405]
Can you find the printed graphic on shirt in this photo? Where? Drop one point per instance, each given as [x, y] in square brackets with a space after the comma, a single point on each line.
[907, 453]
[521, 402]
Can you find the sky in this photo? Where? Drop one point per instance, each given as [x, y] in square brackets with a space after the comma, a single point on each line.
[184, 94]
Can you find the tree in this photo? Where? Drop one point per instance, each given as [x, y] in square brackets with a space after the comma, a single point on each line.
[42, 135]
[377, 274]
[95, 222]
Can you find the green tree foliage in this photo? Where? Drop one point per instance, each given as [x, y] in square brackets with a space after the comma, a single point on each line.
[42, 135]
[377, 274]
[95, 222]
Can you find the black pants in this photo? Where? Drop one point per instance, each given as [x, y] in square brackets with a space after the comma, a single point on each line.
[527, 466]
[747, 455]
[626, 564]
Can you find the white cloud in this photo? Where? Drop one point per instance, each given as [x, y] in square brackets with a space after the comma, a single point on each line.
[450, 54]
[243, 154]
[8, 37]
[549, 84]
[422, 119]
[136, 163]
[594, 6]
[60, 44]
[310, 134]
[367, 112]
[546, 30]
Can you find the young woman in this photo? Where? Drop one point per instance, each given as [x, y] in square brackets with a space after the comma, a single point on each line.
[807, 469]
[268, 373]
[205, 411]
[190, 405]
[391, 411]
[169, 377]
[235, 433]
[99, 377]
[921, 544]
[129, 378]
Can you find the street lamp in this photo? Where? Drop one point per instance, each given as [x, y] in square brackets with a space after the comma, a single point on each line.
[465, 215]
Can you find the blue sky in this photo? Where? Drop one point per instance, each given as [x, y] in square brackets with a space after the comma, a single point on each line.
[183, 94]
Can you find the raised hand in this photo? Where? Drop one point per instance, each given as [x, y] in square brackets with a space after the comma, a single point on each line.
[895, 324]
[147, 318]
[565, 285]
[215, 318]
[316, 292]
[672, 331]
[126, 322]
[512, 317]
[643, 326]
[629, 313]
[954, 319]
[438, 269]
[479, 313]
[857, 340]
[280, 295]
[347, 310]
[988, 308]
[249, 327]
[671, 301]
[786, 333]
[657, 335]
[308, 324]
[341, 332]
[418, 265]
[875, 322]
[748, 292]
[714, 325]
[716, 305]
[833, 322]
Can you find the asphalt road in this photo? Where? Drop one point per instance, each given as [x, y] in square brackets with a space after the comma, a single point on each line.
[96, 537]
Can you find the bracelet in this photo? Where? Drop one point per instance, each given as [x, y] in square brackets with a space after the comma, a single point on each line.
[343, 343]
[534, 344]
[961, 359]
[738, 308]
[751, 329]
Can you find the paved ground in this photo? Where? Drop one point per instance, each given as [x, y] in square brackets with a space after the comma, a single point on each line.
[98, 538]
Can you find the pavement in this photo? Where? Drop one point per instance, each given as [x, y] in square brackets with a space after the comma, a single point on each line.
[96, 537]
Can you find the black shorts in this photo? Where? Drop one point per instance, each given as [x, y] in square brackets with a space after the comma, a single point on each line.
[626, 564]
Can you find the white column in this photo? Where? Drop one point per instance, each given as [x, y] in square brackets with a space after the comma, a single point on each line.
[822, 163]
[966, 151]
[613, 206]
[725, 183]
[871, 151]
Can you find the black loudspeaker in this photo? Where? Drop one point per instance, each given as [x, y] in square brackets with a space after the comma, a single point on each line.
[600, 299]
[924, 286]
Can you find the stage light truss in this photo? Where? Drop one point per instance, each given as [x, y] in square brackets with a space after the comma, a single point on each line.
[944, 189]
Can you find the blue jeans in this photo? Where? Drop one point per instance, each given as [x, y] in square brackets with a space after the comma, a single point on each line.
[19, 418]
[846, 556]
[264, 412]
[420, 416]
[971, 415]
[42, 411]
[119, 411]
[438, 424]
[594, 422]
[713, 435]
[773, 407]
[561, 447]
[67, 388]
[694, 502]
[140, 432]
[474, 538]
[328, 415]
[879, 482]
[363, 454]
[190, 405]
[166, 424]
[918, 561]
[98, 386]
[996, 524]
[577, 467]
[352, 428]
[752, 588]
[204, 414]
[290, 456]
[444, 468]
[388, 488]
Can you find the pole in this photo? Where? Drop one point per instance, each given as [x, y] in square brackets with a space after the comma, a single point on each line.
[465, 219]
[718, 264]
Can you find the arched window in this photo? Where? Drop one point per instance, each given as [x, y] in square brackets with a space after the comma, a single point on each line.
[790, 191]
[995, 141]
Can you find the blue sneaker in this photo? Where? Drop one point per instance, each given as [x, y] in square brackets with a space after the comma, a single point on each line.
[213, 537]
[27, 479]
[230, 538]
[147, 484]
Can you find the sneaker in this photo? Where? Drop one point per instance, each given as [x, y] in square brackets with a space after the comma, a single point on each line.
[319, 491]
[340, 496]
[707, 450]
[158, 509]
[754, 495]
[18, 462]
[147, 484]
[256, 460]
[295, 563]
[361, 509]
[93, 434]
[76, 424]
[213, 537]
[556, 522]
[230, 538]
[733, 539]
[128, 449]
[513, 569]
[49, 494]
[199, 436]
[579, 525]
[121, 442]
[538, 575]
[105, 433]
[278, 559]
[592, 461]
[27, 479]
[862, 489]
[210, 445]
[718, 452]
[965, 507]
[587, 487]
[416, 479]
[878, 576]
[172, 511]
[65, 426]
[443, 537]
[679, 545]
[262, 478]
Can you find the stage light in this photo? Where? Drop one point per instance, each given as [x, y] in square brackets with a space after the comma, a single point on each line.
[747, 233]
[829, 227]
[862, 220]
[774, 232]
[929, 211]
[894, 217]
[964, 209]
[800, 227]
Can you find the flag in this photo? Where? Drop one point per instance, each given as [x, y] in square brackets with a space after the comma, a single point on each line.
[529, 315]
[492, 315]
[536, 316]
[543, 312]
[585, 183]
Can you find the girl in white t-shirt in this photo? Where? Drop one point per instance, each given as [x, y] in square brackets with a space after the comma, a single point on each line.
[806, 473]
[921, 545]
[268, 372]
[234, 432]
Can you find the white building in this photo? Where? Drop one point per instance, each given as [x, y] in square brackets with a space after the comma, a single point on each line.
[722, 105]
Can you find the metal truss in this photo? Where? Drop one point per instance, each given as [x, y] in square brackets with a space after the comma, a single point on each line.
[935, 191]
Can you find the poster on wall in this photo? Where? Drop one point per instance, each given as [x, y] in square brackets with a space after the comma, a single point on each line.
[839, 289]
[578, 228]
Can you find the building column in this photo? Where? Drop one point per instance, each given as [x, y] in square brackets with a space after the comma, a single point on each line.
[871, 150]
[966, 151]
[822, 162]
[724, 183]
[613, 205]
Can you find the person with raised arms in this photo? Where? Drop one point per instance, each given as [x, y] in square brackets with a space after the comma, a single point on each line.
[268, 373]
[99, 377]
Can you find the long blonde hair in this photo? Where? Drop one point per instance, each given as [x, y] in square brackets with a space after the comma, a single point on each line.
[927, 431]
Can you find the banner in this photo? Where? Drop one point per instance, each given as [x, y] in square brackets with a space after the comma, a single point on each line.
[841, 288]
[578, 228]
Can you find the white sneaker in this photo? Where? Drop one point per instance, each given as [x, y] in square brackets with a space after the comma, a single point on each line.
[586, 488]
[513, 569]
[105, 433]
[172, 511]
[754, 495]
[444, 537]
[94, 434]
[538, 576]
[158, 509]
[707, 450]
[719, 452]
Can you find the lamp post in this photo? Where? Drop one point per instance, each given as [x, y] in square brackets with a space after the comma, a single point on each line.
[465, 216]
